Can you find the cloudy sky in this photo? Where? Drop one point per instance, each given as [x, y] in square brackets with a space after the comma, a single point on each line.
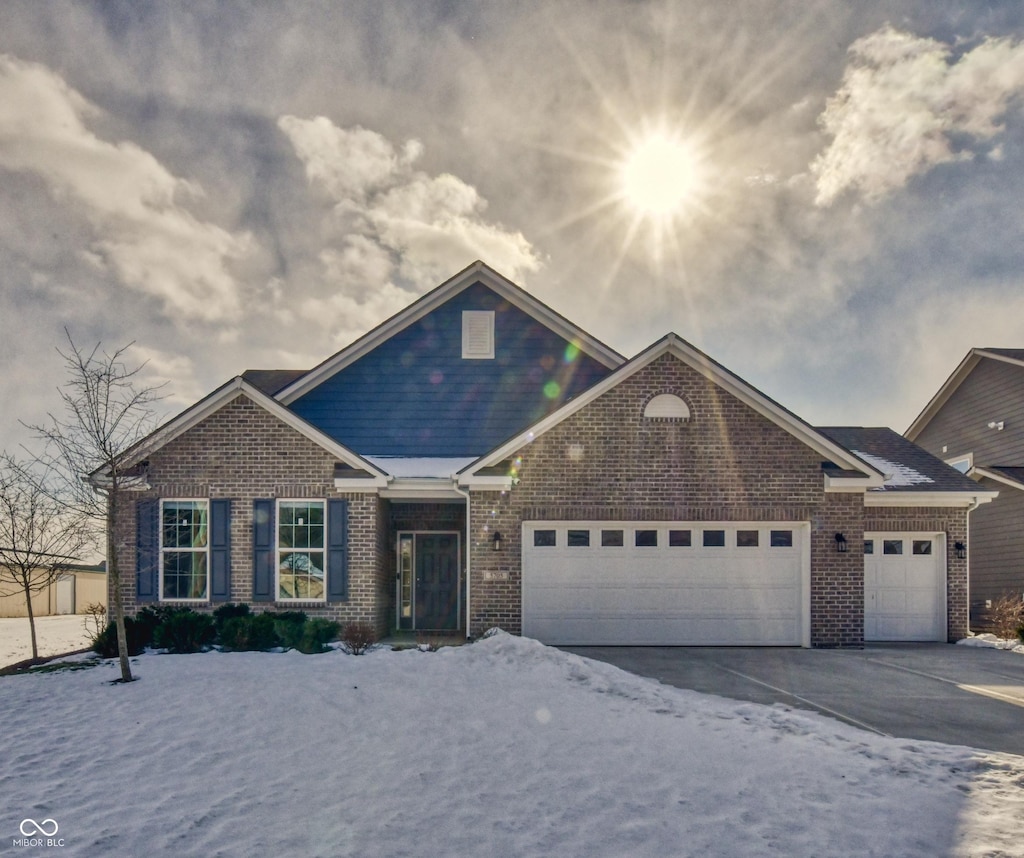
[835, 212]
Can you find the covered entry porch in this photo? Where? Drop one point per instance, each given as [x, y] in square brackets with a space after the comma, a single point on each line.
[426, 550]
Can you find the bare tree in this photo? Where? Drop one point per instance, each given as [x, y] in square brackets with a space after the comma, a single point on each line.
[40, 538]
[106, 413]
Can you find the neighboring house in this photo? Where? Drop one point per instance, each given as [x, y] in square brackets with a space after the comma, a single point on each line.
[73, 592]
[975, 422]
[478, 460]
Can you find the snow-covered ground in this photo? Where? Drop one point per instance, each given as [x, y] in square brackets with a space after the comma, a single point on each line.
[992, 642]
[54, 635]
[503, 747]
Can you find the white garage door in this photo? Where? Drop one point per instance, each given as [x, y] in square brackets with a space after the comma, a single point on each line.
[666, 583]
[904, 587]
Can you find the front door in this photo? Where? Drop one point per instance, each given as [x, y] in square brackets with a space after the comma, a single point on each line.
[435, 591]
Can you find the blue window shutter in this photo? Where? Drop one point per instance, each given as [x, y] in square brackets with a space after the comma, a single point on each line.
[220, 550]
[337, 550]
[147, 550]
[263, 547]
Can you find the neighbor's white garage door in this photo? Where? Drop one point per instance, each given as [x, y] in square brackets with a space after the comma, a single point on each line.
[659, 583]
[904, 587]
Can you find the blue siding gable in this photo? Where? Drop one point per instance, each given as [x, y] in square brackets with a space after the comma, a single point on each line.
[415, 395]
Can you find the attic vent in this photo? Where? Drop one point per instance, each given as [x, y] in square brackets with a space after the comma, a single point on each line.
[667, 406]
[478, 334]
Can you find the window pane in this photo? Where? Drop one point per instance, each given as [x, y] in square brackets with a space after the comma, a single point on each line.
[611, 538]
[782, 539]
[714, 538]
[922, 546]
[869, 546]
[679, 538]
[544, 538]
[184, 524]
[646, 538]
[892, 546]
[579, 538]
[301, 575]
[184, 575]
[746, 539]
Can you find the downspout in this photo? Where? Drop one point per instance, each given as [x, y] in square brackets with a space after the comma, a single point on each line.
[469, 580]
[967, 537]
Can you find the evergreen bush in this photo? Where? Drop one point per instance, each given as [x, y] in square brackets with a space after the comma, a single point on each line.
[185, 631]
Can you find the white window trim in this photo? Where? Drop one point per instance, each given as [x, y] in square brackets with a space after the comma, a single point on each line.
[475, 324]
[277, 552]
[164, 550]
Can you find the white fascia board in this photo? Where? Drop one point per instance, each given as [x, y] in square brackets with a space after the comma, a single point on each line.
[421, 489]
[933, 499]
[718, 375]
[978, 473]
[494, 484]
[837, 485]
[477, 272]
[225, 394]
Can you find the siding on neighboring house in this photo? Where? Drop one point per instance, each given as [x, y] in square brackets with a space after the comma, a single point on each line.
[415, 395]
[992, 392]
[244, 453]
[997, 547]
[727, 463]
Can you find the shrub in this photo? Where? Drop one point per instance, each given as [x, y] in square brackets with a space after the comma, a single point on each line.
[105, 643]
[358, 638]
[316, 634]
[289, 626]
[1006, 616]
[247, 632]
[229, 611]
[185, 631]
[95, 615]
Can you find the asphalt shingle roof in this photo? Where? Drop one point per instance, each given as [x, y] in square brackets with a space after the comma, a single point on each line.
[907, 467]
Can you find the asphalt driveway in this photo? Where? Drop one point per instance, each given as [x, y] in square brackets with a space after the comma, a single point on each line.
[939, 692]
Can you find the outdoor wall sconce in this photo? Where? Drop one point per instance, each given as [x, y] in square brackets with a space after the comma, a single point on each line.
[496, 541]
[961, 550]
[841, 545]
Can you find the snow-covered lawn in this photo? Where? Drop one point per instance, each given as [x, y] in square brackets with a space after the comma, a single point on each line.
[54, 635]
[500, 748]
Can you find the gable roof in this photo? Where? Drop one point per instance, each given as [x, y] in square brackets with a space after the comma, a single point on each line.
[959, 375]
[674, 345]
[220, 397]
[478, 272]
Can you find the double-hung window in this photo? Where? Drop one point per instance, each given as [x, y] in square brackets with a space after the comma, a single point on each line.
[300, 550]
[184, 549]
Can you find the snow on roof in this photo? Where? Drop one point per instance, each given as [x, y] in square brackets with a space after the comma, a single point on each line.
[420, 467]
[896, 474]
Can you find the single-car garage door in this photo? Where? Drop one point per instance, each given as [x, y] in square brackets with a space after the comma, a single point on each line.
[904, 587]
[666, 583]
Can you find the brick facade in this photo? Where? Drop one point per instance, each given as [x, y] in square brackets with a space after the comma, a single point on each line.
[243, 452]
[606, 461]
[726, 463]
[951, 522]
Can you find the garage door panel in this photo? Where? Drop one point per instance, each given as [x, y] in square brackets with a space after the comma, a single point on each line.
[904, 594]
[665, 594]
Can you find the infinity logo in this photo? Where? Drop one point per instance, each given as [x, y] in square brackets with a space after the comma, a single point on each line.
[38, 827]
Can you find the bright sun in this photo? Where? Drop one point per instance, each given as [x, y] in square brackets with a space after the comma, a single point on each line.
[660, 175]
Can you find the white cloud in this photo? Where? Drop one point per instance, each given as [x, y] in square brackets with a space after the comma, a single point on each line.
[903, 100]
[130, 200]
[425, 227]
